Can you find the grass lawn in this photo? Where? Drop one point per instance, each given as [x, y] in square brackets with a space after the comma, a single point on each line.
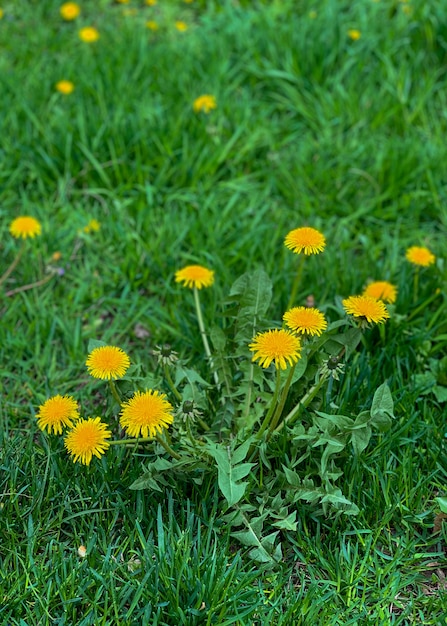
[329, 115]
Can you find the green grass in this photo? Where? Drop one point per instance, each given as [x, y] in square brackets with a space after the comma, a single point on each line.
[310, 128]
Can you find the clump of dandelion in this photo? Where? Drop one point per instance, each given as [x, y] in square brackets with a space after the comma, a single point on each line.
[25, 226]
[65, 87]
[381, 290]
[305, 320]
[205, 103]
[146, 414]
[57, 413]
[70, 11]
[280, 347]
[420, 256]
[107, 363]
[366, 309]
[354, 34]
[87, 439]
[89, 34]
[307, 241]
[181, 26]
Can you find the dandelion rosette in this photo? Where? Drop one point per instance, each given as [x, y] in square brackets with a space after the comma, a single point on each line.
[381, 290]
[279, 346]
[56, 413]
[418, 255]
[367, 308]
[204, 103]
[24, 227]
[308, 240]
[195, 276]
[70, 11]
[88, 438]
[146, 414]
[89, 34]
[306, 321]
[107, 362]
[65, 87]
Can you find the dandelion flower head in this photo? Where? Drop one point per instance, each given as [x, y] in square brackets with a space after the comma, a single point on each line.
[281, 347]
[146, 414]
[305, 320]
[65, 87]
[107, 362]
[151, 3]
[195, 276]
[367, 308]
[89, 34]
[152, 25]
[354, 34]
[25, 226]
[92, 227]
[181, 26]
[306, 239]
[381, 290]
[57, 412]
[204, 103]
[420, 256]
[88, 438]
[70, 11]
[2, 13]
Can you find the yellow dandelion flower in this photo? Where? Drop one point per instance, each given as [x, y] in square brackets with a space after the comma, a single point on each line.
[181, 26]
[195, 276]
[146, 414]
[279, 346]
[122, 1]
[152, 25]
[92, 227]
[188, 1]
[107, 362]
[305, 320]
[89, 34]
[367, 308]
[70, 11]
[25, 226]
[151, 3]
[65, 87]
[56, 256]
[354, 34]
[420, 256]
[56, 413]
[204, 103]
[381, 290]
[306, 239]
[88, 438]
[2, 13]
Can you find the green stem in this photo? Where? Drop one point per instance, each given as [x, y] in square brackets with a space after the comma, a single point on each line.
[114, 391]
[296, 282]
[203, 424]
[272, 406]
[126, 442]
[416, 286]
[14, 264]
[282, 401]
[167, 447]
[310, 395]
[422, 306]
[170, 382]
[203, 333]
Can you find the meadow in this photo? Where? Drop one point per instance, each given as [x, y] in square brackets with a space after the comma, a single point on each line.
[330, 507]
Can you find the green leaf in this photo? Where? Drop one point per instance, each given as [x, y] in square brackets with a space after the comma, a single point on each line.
[442, 502]
[229, 473]
[288, 523]
[382, 407]
[360, 438]
[440, 393]
[95, 343]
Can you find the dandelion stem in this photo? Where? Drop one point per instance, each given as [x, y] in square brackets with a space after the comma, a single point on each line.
[416, 286]
[203, 424]
[310, 395]
[126, 442]
[272, 406]
[170, 382]
[14, 264]
[282, 401]
[114, 391]
[296, 282]
[167, 447]
[203, 333]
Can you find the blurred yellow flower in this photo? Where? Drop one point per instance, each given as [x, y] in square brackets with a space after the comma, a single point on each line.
[151, 25]
[70, 10]
[89, 34]
[382, 290]
[204, 103]
[24, 227]
[1, 13]
[92, 227]
[65, 87]
[195, 276]
[418, 255]
[181, 26]
[122, 1]
[150, 3]
[354, 34]
[56, 256]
